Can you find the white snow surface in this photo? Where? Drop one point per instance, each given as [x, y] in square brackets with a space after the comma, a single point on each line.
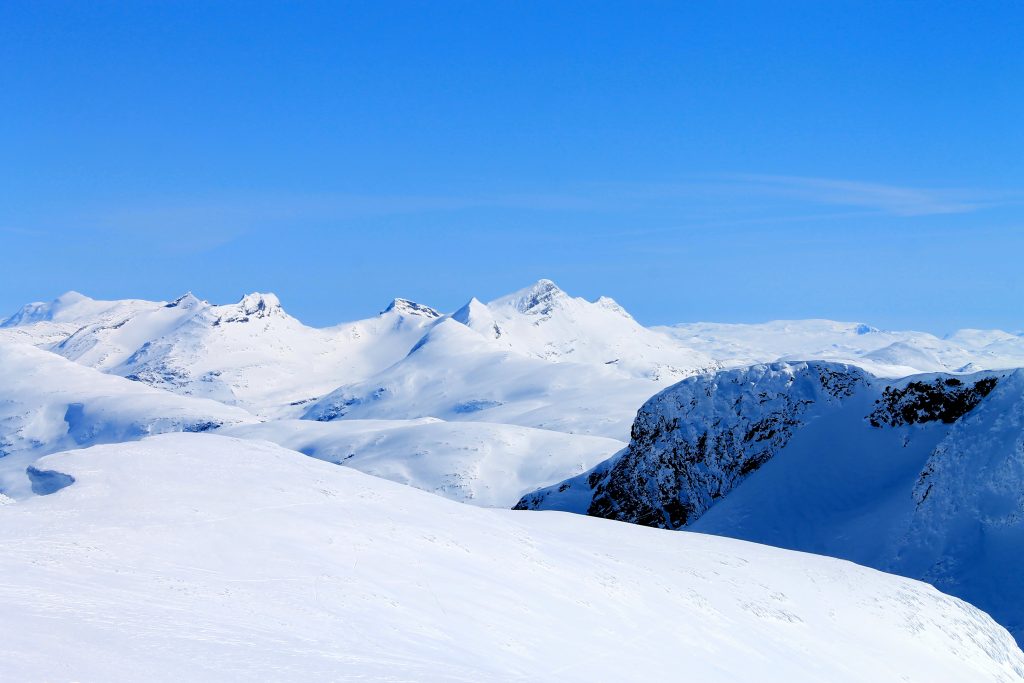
[455, 374]
[481, 463]
[48, 403]
[204, 558]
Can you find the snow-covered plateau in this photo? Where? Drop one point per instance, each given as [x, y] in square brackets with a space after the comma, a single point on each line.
[186, 495]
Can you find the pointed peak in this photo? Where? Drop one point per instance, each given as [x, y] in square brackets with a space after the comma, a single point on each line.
[610, 304]
[187, 300]
[407, 307]
[249, 307]
[70, 297]
[477, 316]
[260, 304]
[470, 310]
[543, 287]
[537, 299]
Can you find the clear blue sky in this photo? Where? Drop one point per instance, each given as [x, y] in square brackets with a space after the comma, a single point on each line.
[729, 161]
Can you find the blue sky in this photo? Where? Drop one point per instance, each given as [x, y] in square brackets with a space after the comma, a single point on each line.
[729, 161]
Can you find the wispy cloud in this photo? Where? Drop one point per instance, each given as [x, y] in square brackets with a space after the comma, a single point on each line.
[233, 210]
[897, 200]
[702, 201]
[745, 191]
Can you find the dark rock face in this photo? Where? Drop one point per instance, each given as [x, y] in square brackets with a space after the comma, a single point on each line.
[250, 307]
[692, 446]
[694, 442]
[407, 307]
[202, 426]
[945, 399]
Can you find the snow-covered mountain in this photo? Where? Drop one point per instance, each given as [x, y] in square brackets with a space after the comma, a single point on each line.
[201, 558]
[542, 321]
[455, 374]
[536, 358]
[922, 476]
[48, 403]
[251, 353]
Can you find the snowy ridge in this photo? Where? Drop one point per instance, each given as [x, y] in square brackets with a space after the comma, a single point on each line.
[242, 560]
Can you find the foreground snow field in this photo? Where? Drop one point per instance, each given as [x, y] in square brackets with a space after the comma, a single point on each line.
[205, 558]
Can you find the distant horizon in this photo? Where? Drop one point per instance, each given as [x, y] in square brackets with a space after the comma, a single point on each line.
[5, 315]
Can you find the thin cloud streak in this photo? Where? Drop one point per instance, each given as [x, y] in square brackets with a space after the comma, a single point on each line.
[892, 199]
[749, 198]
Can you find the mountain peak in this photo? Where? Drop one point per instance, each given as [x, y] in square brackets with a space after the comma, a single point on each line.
[70, 297]
[250, 306]
[476, 315]
[259, 303]
[537, 299]
[610, 304]
[38, 311]
[463, 314]
[407, 307]
[186, 300]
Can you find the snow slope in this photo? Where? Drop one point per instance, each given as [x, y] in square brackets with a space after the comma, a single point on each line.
[245, 561]
[922, 476]
[472, 462]
[455, 374]
[48, 403]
